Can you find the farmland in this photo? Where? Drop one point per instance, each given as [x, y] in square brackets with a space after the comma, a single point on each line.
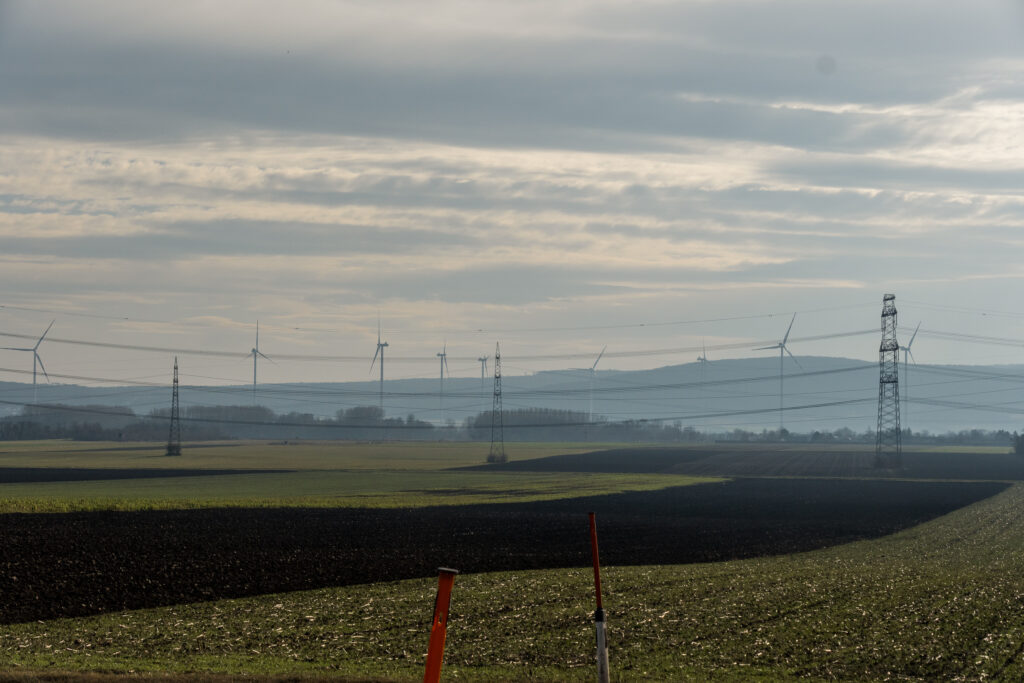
[914, 574]
[65, 477]
[778, 460]
[938, 601]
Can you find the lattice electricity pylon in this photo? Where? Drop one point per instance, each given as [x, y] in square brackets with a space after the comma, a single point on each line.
[497, 453]
[889, 438]
[174, 438]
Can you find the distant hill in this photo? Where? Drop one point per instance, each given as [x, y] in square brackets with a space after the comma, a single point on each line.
[825, 394]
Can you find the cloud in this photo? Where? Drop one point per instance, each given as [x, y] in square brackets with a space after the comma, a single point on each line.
[578, 76]
[481, 163]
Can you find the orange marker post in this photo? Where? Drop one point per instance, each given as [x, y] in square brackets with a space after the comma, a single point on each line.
[439, 627]
[599, 622]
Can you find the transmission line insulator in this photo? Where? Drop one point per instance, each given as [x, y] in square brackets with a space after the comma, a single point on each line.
[889, 437]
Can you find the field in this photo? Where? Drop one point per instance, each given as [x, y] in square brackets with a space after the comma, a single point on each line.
[65, 477]
[792, 573]
[775, 460]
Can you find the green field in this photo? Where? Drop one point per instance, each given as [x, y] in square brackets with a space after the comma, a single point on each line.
[944, 600]
[323, 474]
[385, 489]
[299, 455]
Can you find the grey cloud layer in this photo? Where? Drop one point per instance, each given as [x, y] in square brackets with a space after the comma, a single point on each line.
[507, 157]
[603, 88]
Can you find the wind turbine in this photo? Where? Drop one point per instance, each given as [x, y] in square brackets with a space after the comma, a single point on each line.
[444, 366]
[783, 349]
[593, 375]
[906, 370]
[483, 370]
[703, 360]
[35, 359]
[380, 352]
[256, 353]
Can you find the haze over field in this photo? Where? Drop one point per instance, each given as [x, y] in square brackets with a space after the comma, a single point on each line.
[824, 394]
[560, 176]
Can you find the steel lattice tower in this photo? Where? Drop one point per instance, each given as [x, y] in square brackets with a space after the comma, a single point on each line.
[497, 453]
[888, 440]
[174, 438]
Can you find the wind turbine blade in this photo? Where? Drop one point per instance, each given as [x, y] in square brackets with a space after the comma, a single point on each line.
[374, 361]
[913, 335]
[793, 357]
[784, 339]
[44, 335]
[257, 336]
[263, 355]
[445, 359]
[11, 348]
[911, 355]
[43, 368]
[594, 366]
[765, 348]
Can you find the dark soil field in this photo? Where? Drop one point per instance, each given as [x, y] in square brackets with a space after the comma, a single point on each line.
[733, 460]
[83, 563]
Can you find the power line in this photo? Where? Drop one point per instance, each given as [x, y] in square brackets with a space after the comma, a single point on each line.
[967, 372]
[973, 338]
[985, 407]
[272, 389]
[668, 323]
[963, 309]
[636, 353]
[77, 314]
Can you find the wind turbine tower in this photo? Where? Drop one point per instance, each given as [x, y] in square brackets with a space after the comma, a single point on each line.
[380, 352]
[444, 366]
[703, 360]
[36, 360]
[783, 349]
[483, 370]
[593, 377]
[906, 370]
[256, 353]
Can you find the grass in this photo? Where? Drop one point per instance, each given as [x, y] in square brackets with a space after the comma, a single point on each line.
[325, 474]
[295, 455]
[939, 601]
[375, 489]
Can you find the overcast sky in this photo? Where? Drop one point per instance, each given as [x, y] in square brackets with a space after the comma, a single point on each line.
[550, 174]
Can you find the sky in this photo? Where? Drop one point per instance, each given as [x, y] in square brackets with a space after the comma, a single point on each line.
[654, 177]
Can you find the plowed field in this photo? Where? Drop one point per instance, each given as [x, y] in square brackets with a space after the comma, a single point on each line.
[83, 563]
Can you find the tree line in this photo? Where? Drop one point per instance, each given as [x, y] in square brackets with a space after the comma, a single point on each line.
[369, 423]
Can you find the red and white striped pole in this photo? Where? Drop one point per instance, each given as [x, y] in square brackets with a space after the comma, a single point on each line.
[439, 627]
[599, 622]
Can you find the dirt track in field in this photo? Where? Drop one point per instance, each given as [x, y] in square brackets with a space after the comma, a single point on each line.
[76, 564]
